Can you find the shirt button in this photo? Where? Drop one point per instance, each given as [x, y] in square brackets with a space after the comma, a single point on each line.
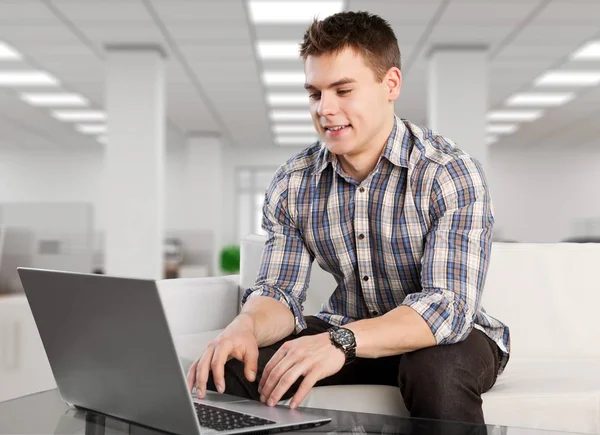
[361, 236]
[374, 313]
[362, 189]
[365, 278]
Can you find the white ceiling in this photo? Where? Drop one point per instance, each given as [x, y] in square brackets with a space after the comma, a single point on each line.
[213, 76]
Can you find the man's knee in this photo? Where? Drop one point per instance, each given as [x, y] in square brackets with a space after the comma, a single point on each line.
[445, 381]
[436, 370]
[236, 383]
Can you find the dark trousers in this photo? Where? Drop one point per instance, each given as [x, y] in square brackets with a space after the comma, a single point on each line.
[442, 382]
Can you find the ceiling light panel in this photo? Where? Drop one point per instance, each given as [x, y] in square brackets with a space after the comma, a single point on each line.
[290, 115]
[27, 78]
[514, 115]
[279, 99]
[590, 51]
[79, 115]
[8, 53]
[569, 78]
[501, 128]
[291, 128]
[540, 99]
[491, 139]
[296, 140]
[283, 78]
[269, 50]
[54, 99]
[91, 128]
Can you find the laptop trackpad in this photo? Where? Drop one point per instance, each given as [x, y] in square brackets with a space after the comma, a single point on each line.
[212, 396]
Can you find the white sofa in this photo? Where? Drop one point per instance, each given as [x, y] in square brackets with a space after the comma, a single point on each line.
[549, 295]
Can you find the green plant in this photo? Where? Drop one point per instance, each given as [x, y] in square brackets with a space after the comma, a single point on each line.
[230, 259]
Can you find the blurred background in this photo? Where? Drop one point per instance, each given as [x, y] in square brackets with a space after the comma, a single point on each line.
[205, 101]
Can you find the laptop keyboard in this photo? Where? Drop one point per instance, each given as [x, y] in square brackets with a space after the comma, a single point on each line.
[223, 419]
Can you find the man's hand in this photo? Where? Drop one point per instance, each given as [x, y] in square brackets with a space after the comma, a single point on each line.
[236, 341]
[313, 357]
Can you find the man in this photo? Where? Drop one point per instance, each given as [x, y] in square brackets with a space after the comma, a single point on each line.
[400, 217]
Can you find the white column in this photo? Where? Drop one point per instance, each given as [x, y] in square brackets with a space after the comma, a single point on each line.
[458, 97]
[204, 181]
[134, 161]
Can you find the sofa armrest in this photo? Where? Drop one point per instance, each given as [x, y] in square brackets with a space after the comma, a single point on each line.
[194, 305]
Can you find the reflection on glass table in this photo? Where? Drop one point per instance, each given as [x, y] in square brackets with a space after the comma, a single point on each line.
[46, 413]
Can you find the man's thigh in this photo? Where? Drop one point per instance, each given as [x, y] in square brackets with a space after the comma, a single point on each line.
[235, 380]
[446, 382]
[366, 371]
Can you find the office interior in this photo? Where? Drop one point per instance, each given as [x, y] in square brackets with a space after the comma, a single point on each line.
[137, 137]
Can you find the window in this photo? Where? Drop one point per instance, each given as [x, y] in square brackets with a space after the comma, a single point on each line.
[251, 186]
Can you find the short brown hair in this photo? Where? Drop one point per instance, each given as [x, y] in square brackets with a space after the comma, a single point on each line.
[369, 34]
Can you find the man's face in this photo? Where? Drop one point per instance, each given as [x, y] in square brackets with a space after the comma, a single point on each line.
[349, 107]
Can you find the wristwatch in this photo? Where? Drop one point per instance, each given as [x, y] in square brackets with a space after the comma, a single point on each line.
[343, 339]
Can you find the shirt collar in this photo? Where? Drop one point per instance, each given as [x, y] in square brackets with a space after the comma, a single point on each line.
[397, 147]
[396, 150]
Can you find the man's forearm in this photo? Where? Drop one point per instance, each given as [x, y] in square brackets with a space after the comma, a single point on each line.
[270, 320]
[398, 331]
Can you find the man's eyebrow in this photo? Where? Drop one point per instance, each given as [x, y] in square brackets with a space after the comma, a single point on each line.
[340, 82]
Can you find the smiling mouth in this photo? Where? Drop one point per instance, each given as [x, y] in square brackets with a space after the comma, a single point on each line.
[336, 127]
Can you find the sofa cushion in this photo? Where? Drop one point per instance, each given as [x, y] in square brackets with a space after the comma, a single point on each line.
[375, 399]
[548, 296]
[189, 347]
[199, 304]
[553, 395]
[557, 396]
[546, 293]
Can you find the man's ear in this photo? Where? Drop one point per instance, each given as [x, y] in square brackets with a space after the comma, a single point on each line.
[393, 81]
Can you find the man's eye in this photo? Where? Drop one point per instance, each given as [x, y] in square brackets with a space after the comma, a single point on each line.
[344, 91]
[314, 96]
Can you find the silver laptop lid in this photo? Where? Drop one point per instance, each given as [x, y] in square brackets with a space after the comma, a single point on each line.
[87, 323]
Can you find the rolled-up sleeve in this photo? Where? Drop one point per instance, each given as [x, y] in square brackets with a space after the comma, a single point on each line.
[457, 250]
[286, 262]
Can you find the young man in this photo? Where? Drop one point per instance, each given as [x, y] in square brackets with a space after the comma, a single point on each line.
[400, 217]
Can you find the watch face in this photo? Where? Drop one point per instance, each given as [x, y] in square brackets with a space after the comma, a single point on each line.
[344, 337]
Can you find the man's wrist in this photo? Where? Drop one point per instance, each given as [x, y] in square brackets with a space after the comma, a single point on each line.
[344, 340]
[246, 320]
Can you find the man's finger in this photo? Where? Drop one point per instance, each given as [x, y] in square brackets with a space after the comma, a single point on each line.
[191, 375]
[275, 359]
[285, 382]
[251, 363]
[275, 375]
[202, 371]
[309, 381]
[217, 365]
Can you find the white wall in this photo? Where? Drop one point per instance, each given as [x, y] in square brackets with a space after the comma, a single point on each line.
[52, 176]
[64, 176]
[539, 194]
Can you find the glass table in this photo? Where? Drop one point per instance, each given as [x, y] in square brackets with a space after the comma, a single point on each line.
[46, 413]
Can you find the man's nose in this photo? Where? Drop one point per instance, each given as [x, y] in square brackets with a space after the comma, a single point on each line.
[327, 106]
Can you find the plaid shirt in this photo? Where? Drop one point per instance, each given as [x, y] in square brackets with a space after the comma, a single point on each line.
[416, 232]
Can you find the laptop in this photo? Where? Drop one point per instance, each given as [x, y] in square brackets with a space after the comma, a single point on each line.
[111, 352]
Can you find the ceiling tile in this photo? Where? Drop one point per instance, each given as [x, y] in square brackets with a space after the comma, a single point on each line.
[496, 12]
[400, 11]
[222, 11]
[19, 11]
[569, 12]
[549, 34]
[112, 11]
[468, 34]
